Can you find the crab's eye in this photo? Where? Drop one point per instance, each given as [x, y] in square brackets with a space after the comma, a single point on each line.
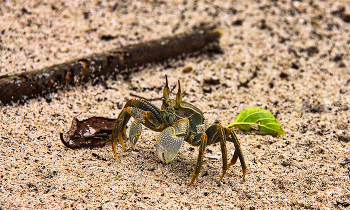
[166, 90]
[178, 95]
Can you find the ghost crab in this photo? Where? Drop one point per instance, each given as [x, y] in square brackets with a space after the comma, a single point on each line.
[177, 121]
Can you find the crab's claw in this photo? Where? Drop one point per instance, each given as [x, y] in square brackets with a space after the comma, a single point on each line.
[171, 139]
[168, 145]
[134, 133]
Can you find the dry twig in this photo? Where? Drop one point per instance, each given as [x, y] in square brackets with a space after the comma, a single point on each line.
[20, 87]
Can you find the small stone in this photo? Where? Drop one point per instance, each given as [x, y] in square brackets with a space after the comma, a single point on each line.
[346, 17]
[284, 75]
[212, 81]
[187, 69]
[207, 89]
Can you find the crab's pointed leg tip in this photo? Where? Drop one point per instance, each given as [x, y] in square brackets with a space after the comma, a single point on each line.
[219, 181]
[192, 180]
[116, 156]
[243, 179]
[222, 176]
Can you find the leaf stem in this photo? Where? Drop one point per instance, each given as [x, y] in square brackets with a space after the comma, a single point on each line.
[241, 123]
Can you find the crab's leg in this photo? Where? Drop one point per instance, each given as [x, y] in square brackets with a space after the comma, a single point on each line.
[141, 110]
[216, 133]
[199, 139]
[145, 106]
[119, 130]
[171, 139]
[220, 129]
[142, 117]
[238, 151]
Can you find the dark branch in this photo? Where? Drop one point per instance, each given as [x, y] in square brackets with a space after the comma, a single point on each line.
[97, 67]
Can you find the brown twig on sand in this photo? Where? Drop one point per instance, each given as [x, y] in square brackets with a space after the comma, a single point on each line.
[20, 87]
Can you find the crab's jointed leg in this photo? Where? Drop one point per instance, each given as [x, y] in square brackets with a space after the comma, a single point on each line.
[217, 134]
[213, 134]
[143, 112]
[238, 152]
[201, 141]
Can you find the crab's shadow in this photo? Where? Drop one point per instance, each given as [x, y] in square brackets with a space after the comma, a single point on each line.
[180, 170]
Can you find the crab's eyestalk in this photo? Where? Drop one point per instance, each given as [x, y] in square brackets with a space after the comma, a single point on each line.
[166, 91]
[178, 95]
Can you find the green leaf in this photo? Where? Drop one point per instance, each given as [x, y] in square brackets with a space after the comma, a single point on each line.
[260, 118]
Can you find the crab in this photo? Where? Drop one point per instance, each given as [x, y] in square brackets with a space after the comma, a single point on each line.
[177, 121]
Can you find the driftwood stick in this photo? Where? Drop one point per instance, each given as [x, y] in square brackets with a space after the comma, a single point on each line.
[20, 87]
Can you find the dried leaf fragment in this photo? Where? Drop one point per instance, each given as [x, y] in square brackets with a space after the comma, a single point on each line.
[91, 132]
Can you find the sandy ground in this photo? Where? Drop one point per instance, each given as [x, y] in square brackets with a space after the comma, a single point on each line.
[298, 50]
